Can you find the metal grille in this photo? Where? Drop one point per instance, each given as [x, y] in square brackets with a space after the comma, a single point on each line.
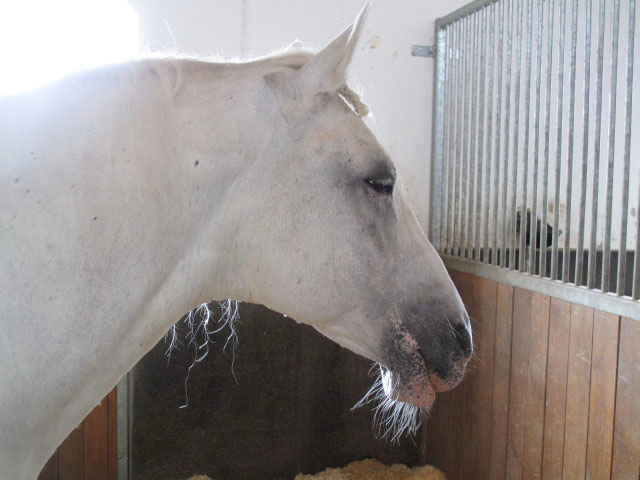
[535, 168]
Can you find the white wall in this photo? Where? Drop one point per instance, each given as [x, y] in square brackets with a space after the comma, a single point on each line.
[396, 86]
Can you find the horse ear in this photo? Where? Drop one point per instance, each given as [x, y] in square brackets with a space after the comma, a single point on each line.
[326, 71]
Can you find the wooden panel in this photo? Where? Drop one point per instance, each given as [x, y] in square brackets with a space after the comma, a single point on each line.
[626, 433]
[112, 421]
[50, 470]
[71, 455]
[445, 435]
[603, 394]
[537, 373]
[485, 348]
[502, 369]
[96, 443]
[470, 288]
[578, 386]
[518, 384]
[556, 388]
[440, 447]
[557, 395]
[90, 451]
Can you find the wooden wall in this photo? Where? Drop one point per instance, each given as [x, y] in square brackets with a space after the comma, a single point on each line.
[553, 393]
[89, 452]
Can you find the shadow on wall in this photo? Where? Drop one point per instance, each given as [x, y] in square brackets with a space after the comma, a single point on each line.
[289, 412]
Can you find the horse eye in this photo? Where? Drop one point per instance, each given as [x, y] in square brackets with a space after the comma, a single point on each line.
[383, 186]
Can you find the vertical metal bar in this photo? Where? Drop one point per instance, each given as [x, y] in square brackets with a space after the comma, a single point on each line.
[505, 161]
[477, 128]
[559, 129]
[124, 414]
[622, 253]
[533, 228]
[458, 164]
[440, 136]
[635, 293]
[445, 140]
[449, 133]
[566, 254]
[437, 166]
[460, 141]
[591, 273]
[497, 250]
[606, 254]
[453, 51]
[525, 161]
[547, 132]
[585, 142]
[472, 137]
[489, 159]
[481, 187]
[516, 131]
[465, 138]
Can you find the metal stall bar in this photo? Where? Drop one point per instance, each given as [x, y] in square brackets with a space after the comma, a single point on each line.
[566, 256]
[474, 202]
[559, 127]
[591, 274]
[464, 205]
[507, 256]
[499, 147]
[533, 228]
[606, 260]
[516, 132]
[452, 136]
[496, 248]
[490, 11]
[481, 195]
[585, 142]
[635, 290]
[438, 132]
[456, 100]
[444, 136]
[525, 161]
[547, 137]
[622, 254]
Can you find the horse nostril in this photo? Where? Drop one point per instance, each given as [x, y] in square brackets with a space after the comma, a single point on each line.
[463, 337]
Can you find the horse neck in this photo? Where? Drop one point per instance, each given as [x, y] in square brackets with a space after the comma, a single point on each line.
[131, 234]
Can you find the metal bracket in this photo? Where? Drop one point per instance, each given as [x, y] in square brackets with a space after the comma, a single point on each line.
[423, 50]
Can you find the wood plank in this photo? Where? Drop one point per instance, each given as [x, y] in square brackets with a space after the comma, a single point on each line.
[71, 455]
[452, 426]
[435, 433]
[502, 372]
[470, 288]
[486, 353]
[518, 384]
[50, 469]
[604, 361]
[578, 386]
[96, 449]
[626, 432]
[112, 420]
[556, 388]
[444, 427]
[537, 375]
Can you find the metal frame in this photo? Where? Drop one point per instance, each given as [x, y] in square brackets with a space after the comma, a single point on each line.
[488, 133]
[124, 414]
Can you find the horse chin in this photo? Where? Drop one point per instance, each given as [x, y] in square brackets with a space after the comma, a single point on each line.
[416, 390]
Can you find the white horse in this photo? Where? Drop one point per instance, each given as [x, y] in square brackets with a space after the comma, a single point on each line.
[131, 193]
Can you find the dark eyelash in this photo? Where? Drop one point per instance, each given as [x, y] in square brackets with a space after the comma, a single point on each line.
[381, 185]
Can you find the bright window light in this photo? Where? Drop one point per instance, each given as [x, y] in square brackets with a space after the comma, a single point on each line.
[41, 40]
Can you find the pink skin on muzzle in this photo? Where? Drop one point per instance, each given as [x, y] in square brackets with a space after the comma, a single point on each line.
[421, 390]
[420, 386]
